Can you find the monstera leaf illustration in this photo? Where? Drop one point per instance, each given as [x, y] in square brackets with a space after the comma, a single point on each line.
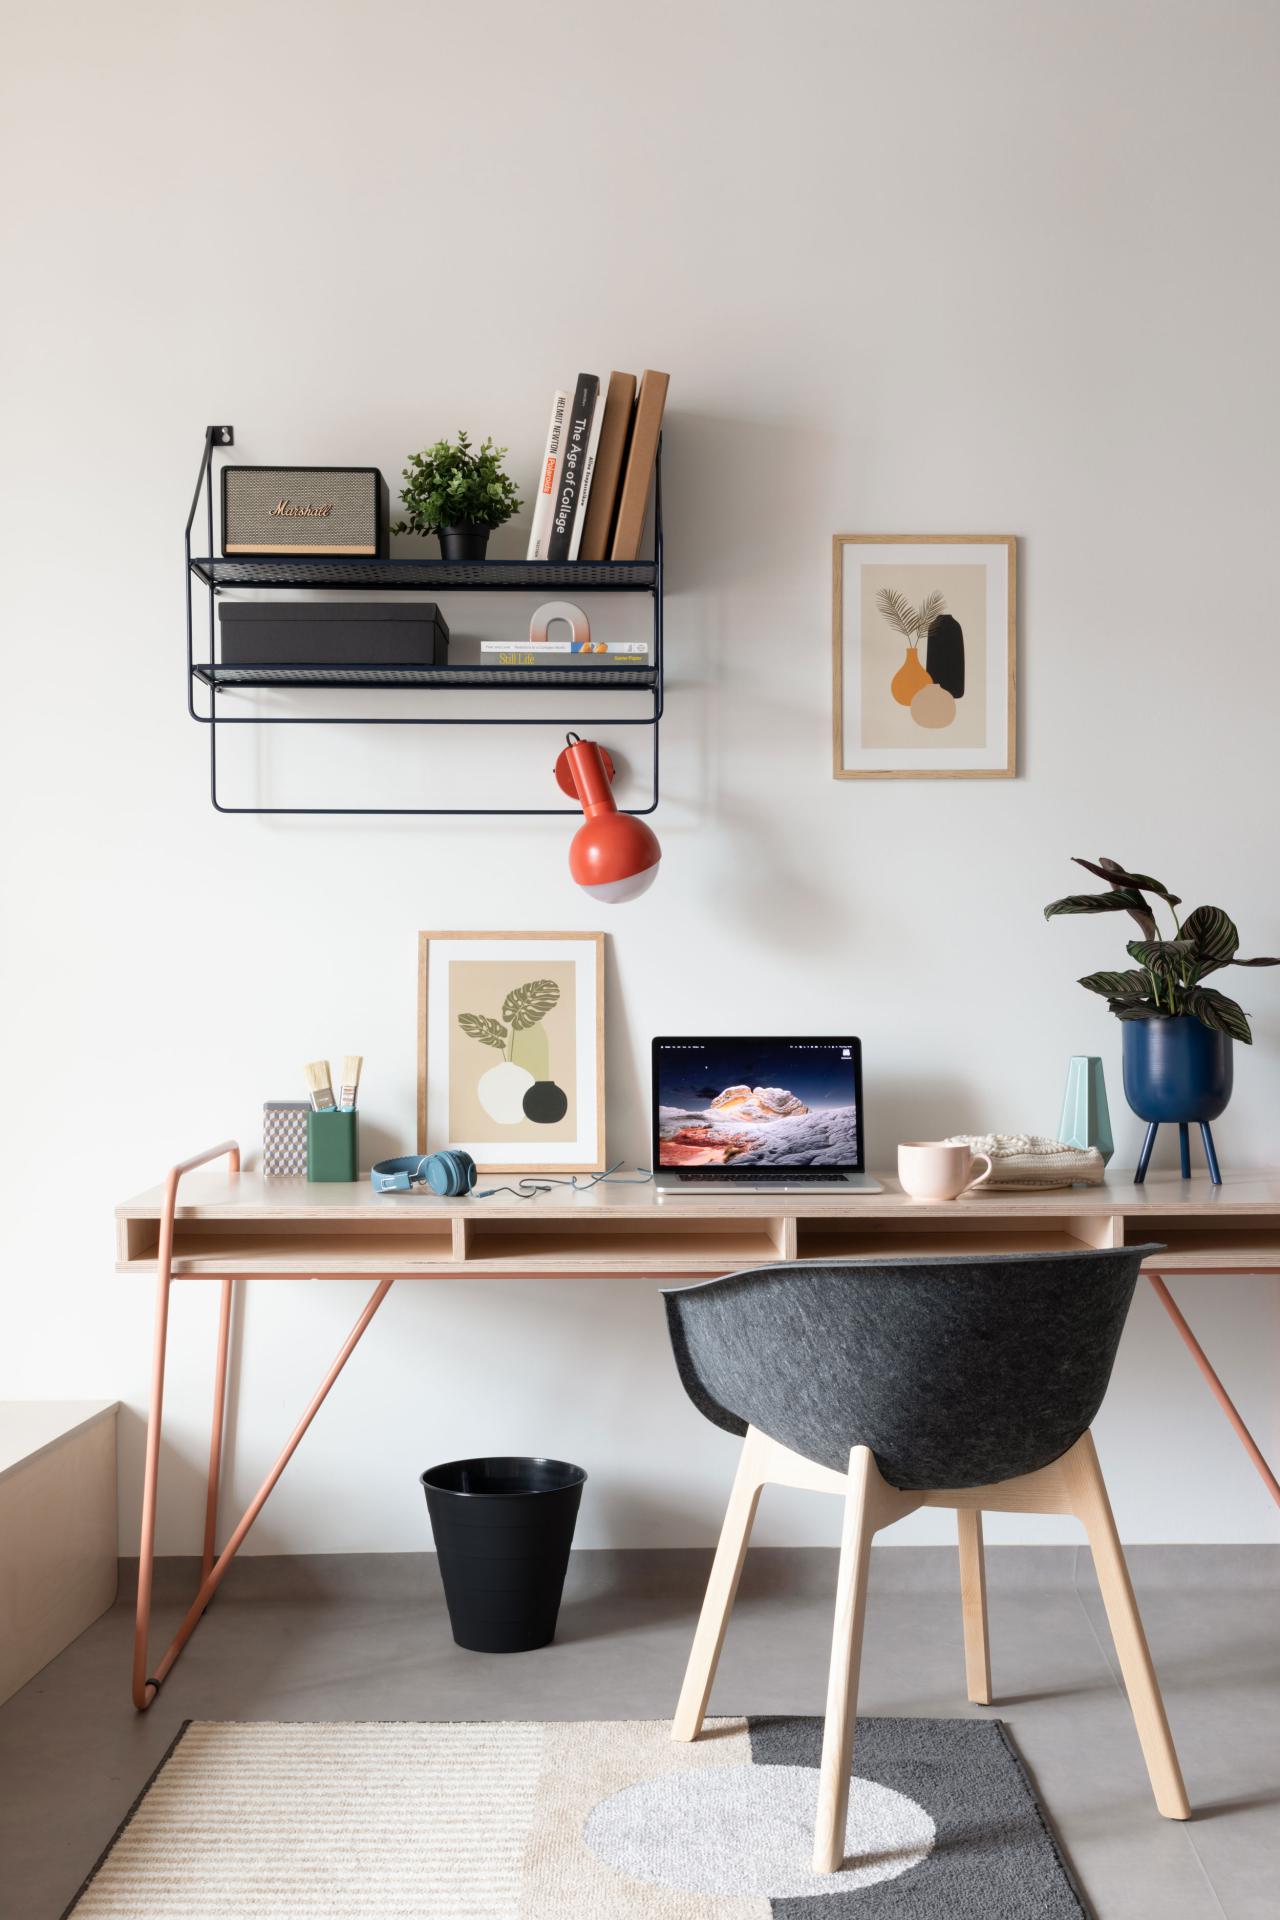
[478, 1026]
[525, 1006]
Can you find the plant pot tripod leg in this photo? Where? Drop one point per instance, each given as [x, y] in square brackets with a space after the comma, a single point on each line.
[1210, 1154]
[1184, 1149]
[1144, 1158]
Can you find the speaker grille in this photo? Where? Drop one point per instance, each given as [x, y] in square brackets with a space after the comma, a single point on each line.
[300, 510]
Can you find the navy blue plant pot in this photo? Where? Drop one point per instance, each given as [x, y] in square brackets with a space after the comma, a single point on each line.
[1176, 1070]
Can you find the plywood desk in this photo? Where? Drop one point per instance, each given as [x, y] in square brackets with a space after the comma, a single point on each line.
[230, 1226]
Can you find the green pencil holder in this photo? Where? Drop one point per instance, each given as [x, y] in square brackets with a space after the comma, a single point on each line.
[333, 1146]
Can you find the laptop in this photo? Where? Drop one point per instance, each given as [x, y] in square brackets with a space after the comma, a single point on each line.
[758, 1116]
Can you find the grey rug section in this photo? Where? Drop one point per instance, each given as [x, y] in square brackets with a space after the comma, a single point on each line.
[955, 1372]
[994, 1857]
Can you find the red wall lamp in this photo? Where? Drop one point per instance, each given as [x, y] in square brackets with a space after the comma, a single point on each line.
[613, 856]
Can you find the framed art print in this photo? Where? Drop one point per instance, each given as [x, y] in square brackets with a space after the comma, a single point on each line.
[923, 630]
[511, 1049]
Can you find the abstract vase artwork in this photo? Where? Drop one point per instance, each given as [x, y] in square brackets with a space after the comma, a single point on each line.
[930, 690]
[520, 1086]
[924, 644]
[511, 1049]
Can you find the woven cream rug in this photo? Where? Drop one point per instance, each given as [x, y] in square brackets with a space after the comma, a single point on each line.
[572, 1820]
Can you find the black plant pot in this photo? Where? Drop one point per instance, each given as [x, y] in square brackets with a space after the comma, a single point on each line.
[463, 542]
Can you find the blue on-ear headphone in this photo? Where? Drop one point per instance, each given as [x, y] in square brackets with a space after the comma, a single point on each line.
[448, 1173]
[452, 1171]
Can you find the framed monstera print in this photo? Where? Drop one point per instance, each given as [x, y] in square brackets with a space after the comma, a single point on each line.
[511, 1049]
[924, 644]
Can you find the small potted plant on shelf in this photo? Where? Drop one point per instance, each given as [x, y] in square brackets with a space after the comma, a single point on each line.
[1178, 1032]
[458, 492]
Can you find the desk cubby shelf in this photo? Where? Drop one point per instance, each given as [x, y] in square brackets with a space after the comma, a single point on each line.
[248, 1224]
[641, 688]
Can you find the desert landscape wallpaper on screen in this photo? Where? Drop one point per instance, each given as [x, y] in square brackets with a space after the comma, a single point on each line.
[707, 1118]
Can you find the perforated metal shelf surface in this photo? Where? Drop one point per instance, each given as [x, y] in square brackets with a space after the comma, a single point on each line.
[602, 679]
[407, 576]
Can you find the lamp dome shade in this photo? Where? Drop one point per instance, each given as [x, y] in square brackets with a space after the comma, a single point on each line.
[615, 856]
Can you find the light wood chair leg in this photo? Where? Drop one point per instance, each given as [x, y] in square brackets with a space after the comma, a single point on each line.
[722, 1587]
[1088, 1495]
[973, 1606]
[861, 1516]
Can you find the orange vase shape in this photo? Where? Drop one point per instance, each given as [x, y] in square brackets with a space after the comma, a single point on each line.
[909, 679]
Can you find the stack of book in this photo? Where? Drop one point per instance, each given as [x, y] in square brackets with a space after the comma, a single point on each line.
[597, 467]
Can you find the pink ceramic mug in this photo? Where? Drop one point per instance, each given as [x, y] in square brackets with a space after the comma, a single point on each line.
[932, 1170]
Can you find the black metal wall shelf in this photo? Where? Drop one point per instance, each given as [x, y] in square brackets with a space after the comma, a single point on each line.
[419, 576]
[537, 579]
[487, 679]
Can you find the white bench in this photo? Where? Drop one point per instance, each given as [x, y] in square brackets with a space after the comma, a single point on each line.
[58, 1538]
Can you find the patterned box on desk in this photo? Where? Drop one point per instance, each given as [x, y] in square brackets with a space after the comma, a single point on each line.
[284, 1138]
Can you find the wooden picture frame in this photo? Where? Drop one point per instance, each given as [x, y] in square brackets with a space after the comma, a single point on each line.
[511, 1124]
[909, 724]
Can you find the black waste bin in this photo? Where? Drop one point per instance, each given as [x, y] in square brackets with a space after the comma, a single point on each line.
[503, 1528]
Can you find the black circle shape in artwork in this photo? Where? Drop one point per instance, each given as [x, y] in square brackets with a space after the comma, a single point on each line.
[545, 1103]
[944, 654]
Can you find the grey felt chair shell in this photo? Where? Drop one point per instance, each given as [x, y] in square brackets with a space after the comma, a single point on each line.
[966, 1382]
[955, 1372]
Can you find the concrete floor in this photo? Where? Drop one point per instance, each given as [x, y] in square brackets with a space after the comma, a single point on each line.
[351, 1638]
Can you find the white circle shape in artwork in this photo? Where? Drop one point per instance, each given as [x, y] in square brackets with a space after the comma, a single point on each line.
[749, 1830]
[501, 1092]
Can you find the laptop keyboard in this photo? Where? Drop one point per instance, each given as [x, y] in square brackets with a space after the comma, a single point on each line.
[762, 1176]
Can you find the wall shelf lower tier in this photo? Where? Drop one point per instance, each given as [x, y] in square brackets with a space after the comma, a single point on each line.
[484, 679]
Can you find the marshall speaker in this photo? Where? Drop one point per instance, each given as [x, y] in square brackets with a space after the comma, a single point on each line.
[305, 511]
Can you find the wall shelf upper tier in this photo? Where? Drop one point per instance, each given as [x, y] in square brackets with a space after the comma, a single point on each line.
[419, 576]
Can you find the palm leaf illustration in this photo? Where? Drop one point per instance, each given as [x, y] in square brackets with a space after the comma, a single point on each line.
[929, 611]
[897, 610]
[478, 1026]
[525, 1006]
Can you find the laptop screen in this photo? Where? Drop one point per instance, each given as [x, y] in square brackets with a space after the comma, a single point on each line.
[757, 1103]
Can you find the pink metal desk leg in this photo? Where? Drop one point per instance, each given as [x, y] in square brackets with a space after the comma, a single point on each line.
[1216, 1387]
[143, 1692]
[215, 1432]
[213, 1579]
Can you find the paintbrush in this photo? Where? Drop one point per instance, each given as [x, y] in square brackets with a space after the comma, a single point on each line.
[320, 1084]
[350, 1084]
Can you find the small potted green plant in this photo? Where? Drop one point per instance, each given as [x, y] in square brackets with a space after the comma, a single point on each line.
[1178, 1032]
[459, 493]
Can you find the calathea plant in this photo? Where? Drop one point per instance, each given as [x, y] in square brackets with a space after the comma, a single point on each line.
[1168, 979]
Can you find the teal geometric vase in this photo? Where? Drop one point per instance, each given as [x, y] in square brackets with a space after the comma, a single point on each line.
[1085, 1120]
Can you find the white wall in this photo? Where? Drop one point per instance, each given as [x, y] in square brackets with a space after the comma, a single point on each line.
[984, 267]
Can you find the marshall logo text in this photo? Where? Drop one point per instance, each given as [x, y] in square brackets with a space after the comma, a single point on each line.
[286, 510]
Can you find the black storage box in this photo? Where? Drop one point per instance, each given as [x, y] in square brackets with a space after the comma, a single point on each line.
[264, 633]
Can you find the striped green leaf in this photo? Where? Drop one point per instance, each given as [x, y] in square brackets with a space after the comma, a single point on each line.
[1214, 1010]
[1213, 938]
[1135, 1007]
[1161, 956]
[1117, 985]
[1119, 876]
[1122, 900]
